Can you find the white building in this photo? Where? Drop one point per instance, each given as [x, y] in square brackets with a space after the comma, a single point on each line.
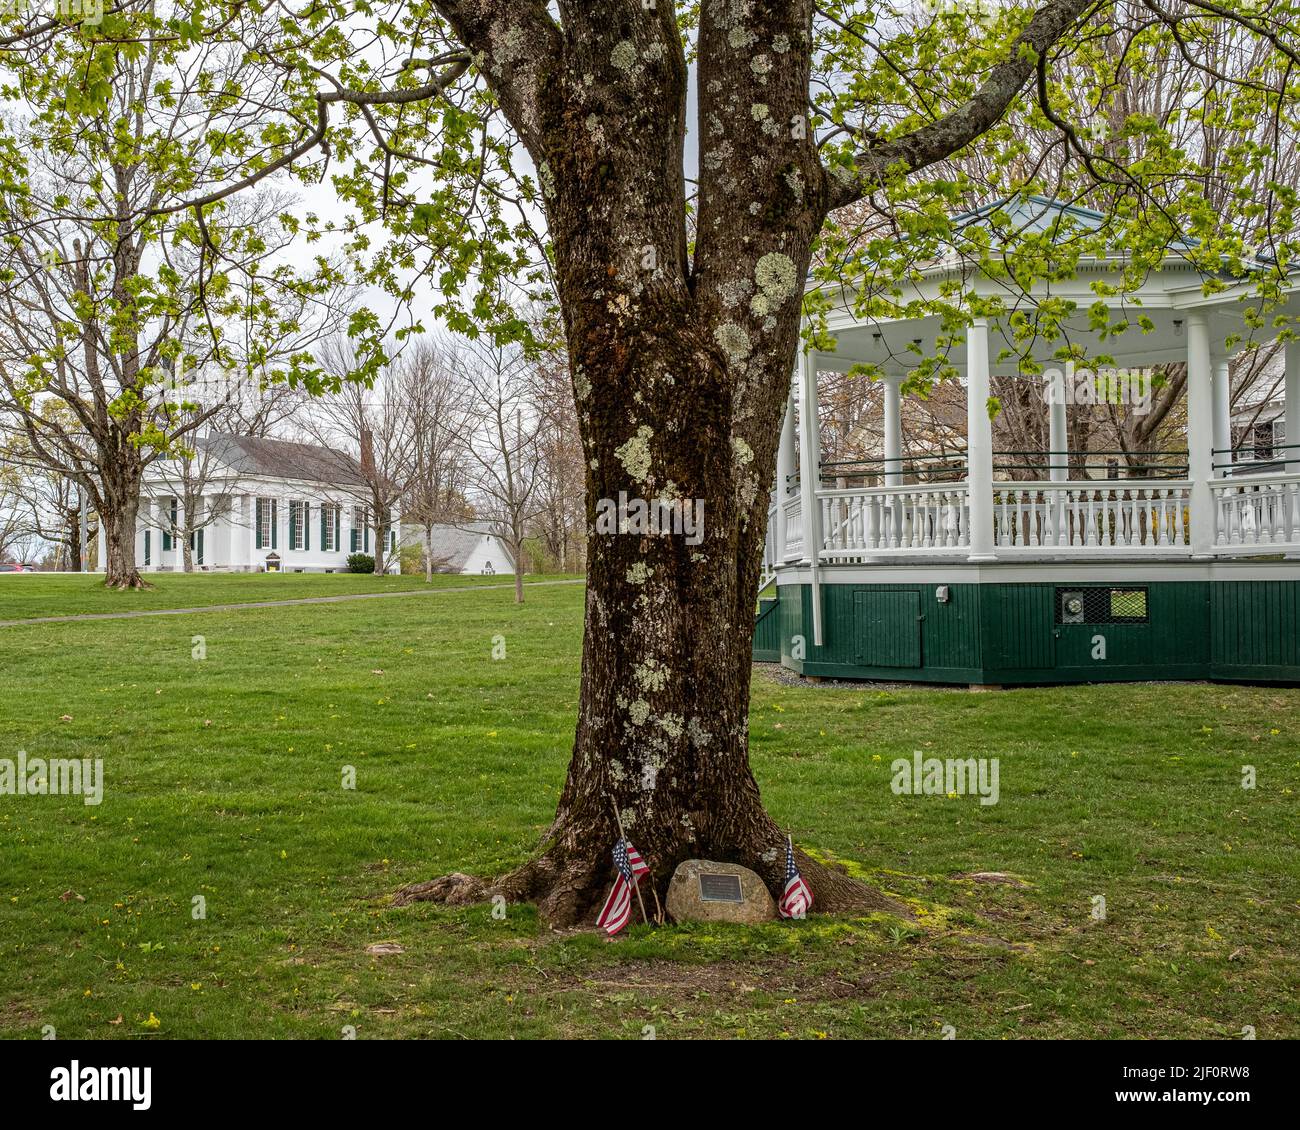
[263, 504]
[471, 547]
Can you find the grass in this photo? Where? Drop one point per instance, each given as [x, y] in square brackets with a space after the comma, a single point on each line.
[28, 595]
[224, 781]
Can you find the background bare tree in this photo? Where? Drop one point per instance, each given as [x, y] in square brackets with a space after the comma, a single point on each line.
[505, 466]
[430, 387]
[15, 525]
[49, 496]
[373, 424]
[561, 476]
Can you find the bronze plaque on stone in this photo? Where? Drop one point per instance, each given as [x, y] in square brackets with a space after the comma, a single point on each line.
[720, 888]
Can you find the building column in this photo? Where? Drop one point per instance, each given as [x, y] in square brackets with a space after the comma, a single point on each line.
[979, 443]
[893, 430]
[785, 465]
[178, 538]
[1058, 430]
[1291, 405]
[1222, 415]
[1200, 433]
[810, 450]
[247, 531]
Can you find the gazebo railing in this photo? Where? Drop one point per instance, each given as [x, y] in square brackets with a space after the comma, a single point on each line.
[858, 521]
[924, 469]
[1253, 514]
[1257, 512]
[1048, 518]
[1074, 517]
[1137, 465]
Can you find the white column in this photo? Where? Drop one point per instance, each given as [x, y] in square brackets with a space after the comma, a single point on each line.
[240, 534]
[810, 449]
[1058, 431]
[200, 513]
[893, 430]
[785, 465]
[979, 443]
[1292, 405]
[1222, 414]
[1200, 433]
[247, 531]
[178, 537]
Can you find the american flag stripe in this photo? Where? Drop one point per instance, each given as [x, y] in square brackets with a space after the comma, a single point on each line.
[796, 898]
[639, 865]
[617, 911]
[618, 908]
[607, 911]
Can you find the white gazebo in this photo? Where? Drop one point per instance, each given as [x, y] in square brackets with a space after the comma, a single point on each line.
[1191, 523]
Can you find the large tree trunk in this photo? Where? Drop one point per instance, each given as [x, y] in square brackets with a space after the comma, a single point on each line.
[681, 363]
[662, 732]
[117, 521]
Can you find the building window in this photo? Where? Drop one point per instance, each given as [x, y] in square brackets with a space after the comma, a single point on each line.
[297, 524]
[170, 523]
[266, 524]
[329, 527]
[146, 548]
[360, 530]
[1264, 440]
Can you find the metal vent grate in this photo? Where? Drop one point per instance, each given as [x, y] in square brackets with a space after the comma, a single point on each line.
[1101, 605]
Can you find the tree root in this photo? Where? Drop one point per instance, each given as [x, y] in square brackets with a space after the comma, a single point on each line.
[133, 584]
[835, 891]
[569, 894]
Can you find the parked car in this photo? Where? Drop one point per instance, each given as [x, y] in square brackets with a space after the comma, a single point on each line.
[16, 567]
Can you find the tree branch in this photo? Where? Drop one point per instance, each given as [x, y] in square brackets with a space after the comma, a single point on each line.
[324, 100]
[514, 42]
[938, 140]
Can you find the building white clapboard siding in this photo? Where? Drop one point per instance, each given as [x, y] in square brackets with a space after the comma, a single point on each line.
[263, 504]
[471, 547]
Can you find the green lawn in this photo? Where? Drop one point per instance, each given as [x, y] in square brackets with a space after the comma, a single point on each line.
[28, 595]
[224, 781]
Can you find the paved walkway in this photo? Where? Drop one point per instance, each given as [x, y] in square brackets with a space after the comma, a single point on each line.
[138, 612]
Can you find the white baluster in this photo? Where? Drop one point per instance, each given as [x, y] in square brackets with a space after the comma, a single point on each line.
[1249, 530]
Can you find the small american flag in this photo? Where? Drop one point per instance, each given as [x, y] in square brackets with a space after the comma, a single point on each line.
[796, 899]
[617, 911]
